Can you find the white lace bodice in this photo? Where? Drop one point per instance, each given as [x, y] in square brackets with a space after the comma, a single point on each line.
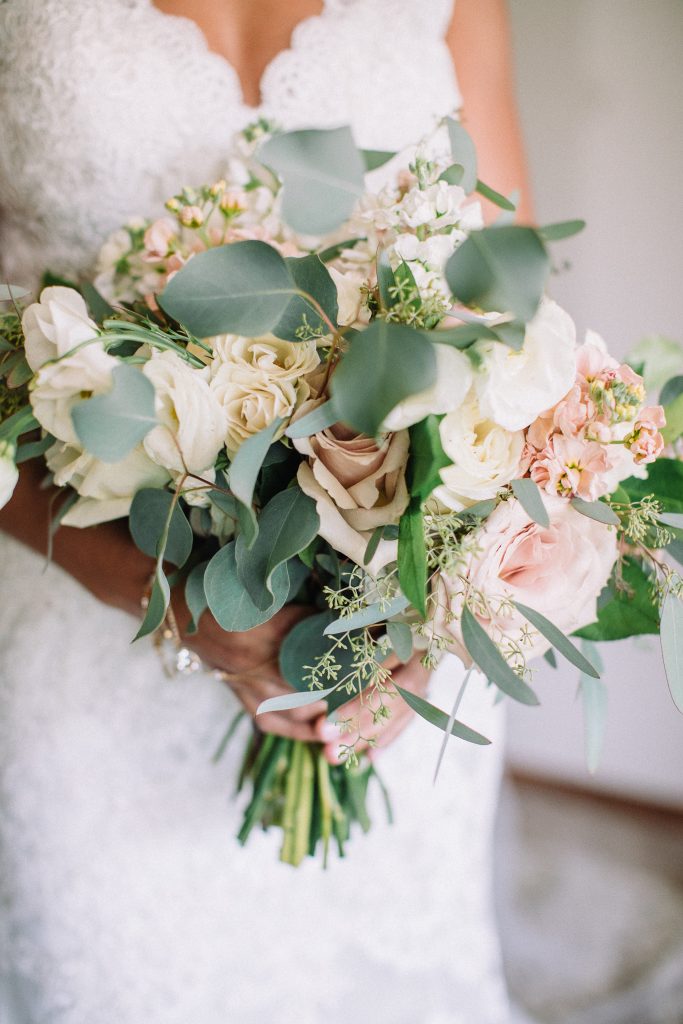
[124, 896]
[109, 106]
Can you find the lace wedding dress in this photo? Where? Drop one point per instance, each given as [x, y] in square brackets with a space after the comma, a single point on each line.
[125, 897]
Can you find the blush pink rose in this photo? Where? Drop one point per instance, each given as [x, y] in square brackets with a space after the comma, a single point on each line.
[558, 570]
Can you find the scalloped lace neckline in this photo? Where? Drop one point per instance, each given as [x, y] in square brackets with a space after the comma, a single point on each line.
[193, 30]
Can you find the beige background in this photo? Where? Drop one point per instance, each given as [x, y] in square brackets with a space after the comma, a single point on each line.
[600, 87]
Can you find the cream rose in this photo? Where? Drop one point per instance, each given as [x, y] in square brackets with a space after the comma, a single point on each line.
[559, 571]
[485, 456]
[192, 422]
[453, 381]
[258, 380]
[514, 388]
[55, 324]
[357, 485]
[106, 489]
[9, 474]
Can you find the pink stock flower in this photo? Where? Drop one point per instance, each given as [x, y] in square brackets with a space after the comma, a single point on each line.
[571, 467]
[646, 442]
[157, 240]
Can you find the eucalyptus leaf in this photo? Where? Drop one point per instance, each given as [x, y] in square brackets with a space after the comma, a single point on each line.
[412, 557]
[147, 522]
[435, 716]
[427, 458]
[303, 647]
[313, 422]
[109, 426]
[33, 449]
[240, 288]
[674, 420]
[229, 600]
[556, 637]
[244, 471]
[373, 544]
[386, 281]
[374, 158]
[157, 607]
[310, 275]
[195, 595]
[671, 390]
[527, 493]
[11, 292]
[401, 358]
[563, 229]
[594, 700]
[674, 519]
[464, 154]
[549, 656]
[597, 510]
[99, 307]
[671, 637]
[297, 699]
[624, 611]
[378, 612]
[401, 638]
[322, 174]
[495, 197]
[488, 658]
[453, 174]
[501, 269]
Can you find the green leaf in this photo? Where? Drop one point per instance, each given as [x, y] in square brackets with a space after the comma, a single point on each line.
[501, 269]
[373, 544]
[244, 471]
[480, 509]
[495, 197]
[412, 557]
[335, 250]
[623, 613]
[229, 600]
[488, 658]
[159, 601]
[195, 595]
[386, 281]
[322, 175]
[464, 153]
[401, 358]
[305, 644]
[549, 656]
[297, 699]
[675, 549]
[560, 642]
[110, 426]
[12, 292]
[147, 522]
[453, 174]
[401, 638]
[671, 637]
[314, 421]
[310, 275]
[378, 612]
[427, 458]
[241, 288]
[563, 229]
[674, 420]
[674, 519]
[529, 496]
[671, 390]
[597, 510]
[99, 307]
[374, 158]
[439, 718]
[33, 449]
[664, 480]
[594, 699]
[287, 524]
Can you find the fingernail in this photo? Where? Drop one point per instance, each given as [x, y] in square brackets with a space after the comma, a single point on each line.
[329, 732]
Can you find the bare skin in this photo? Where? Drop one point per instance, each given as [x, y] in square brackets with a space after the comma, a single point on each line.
[103, 558]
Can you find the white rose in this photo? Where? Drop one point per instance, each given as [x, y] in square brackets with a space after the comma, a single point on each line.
[58, 387]
[55, 324]
[485, 456]
[251, 407]
[273, 357]
[453, 381]
[106, 489]
[516, 387]
[349, 297]
[192, 422]
[9, 474]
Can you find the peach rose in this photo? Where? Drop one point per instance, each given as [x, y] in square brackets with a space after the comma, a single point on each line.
[357, 485]
[559, 571]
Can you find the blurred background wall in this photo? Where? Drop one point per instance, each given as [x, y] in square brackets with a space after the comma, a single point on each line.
[600, 88]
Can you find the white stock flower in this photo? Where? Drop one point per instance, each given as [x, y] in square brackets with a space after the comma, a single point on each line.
[106, 489]
[258, 380]
[516, 387]
[9, 474]
[192, 423]
[453, 381]
[349, 297]
[438, 205]
[485, 456]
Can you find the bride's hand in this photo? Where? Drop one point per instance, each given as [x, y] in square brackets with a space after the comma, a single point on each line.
[250, 664]
[412, 676]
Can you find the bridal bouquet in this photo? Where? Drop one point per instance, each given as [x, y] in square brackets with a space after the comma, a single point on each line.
[322, 380]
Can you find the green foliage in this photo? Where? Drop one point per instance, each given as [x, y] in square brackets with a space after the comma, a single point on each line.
[401, 638]
[439, 718]
[674, 420]
[427, 458]
[301, 320]
[464, 154]
[287, 524]
[243, 473]
[322, 176]
[671, 390]
[195, 595]
[384, 364]
[109, 426]
[626, 607]
[98, 306]
[495, 197]
[562, 229]
[664, 481]
[597, 510]
[671, 637]
[594, 699]
[368, 616]
[228, 598]
[527, 493]
[241, 288]
[488, 658]
[412, 557]
[12, 292]
[147, 522]
[556, 637]
[500, 269]
[314, 421]
[374, 158]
